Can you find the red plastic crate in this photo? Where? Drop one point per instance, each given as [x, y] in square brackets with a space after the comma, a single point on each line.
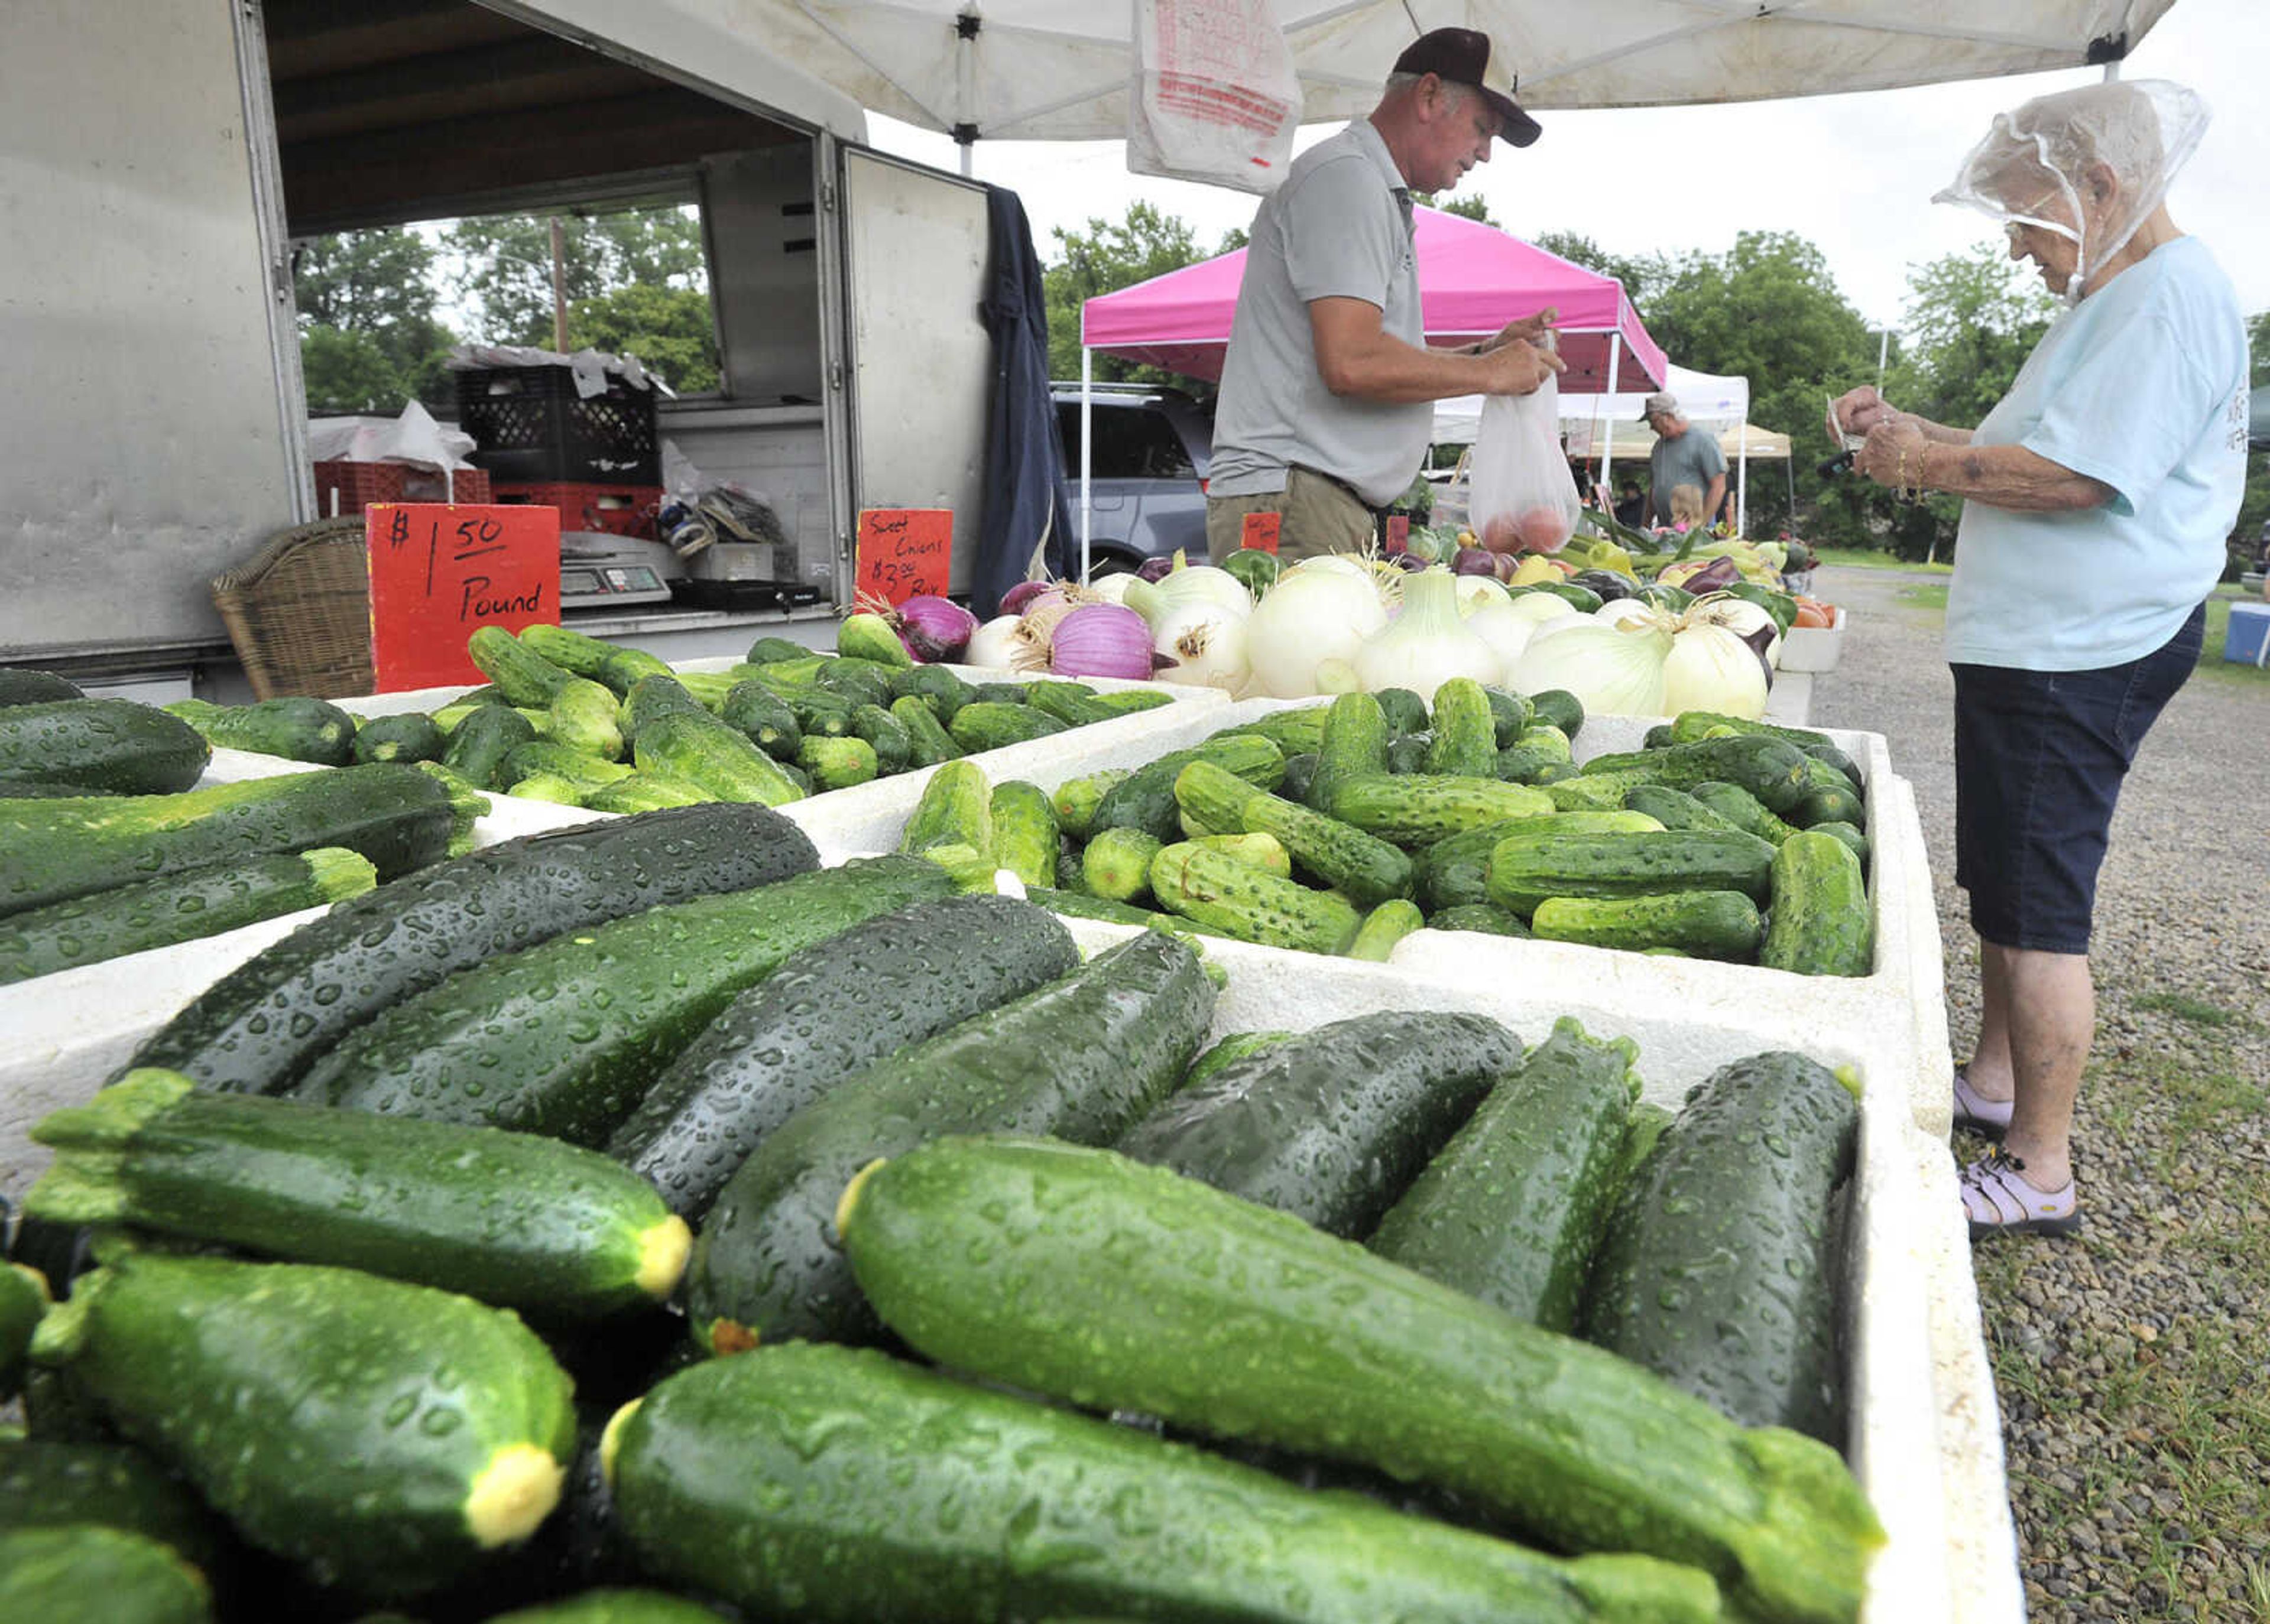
[357, 486]
[618, 509]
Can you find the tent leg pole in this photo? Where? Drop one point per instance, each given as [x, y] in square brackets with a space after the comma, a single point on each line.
[1608, 428]
[1742, 480]
[1087, 440]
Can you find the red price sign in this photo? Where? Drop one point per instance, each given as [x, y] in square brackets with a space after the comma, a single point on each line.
[1398, 532]
[437, 572]
[1259, 531]
[903, 552]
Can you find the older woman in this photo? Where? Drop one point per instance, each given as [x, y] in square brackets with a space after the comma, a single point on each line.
[2097, 495]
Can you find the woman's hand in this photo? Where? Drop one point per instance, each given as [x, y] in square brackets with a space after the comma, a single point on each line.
[1856, 411]
[1893, 453]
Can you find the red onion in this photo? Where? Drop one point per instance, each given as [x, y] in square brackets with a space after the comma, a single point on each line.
[1156, 569]
[1409, 561]
[1020, 597]
[934, 628]
[1502, 565]
[1100, 639]
[1472, 561]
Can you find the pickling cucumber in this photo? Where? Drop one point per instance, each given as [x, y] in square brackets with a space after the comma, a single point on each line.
[80, 1573]
[45, 1484]
[1822, 924]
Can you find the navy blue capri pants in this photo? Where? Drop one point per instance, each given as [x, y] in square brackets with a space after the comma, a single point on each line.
[2039, 757]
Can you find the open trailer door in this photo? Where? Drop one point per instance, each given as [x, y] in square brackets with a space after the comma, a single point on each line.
[919, 360]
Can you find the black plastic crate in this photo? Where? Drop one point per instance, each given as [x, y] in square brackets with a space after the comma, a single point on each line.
[530, 426]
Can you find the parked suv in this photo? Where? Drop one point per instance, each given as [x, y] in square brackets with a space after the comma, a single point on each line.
[1147, 480]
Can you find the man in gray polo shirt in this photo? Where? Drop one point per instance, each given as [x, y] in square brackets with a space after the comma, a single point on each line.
[1680, 457]
[1327, 391]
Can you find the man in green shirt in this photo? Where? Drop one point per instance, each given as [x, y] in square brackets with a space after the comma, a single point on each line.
[1681, 456]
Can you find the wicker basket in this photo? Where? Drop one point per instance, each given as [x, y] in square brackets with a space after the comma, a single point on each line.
[299, 612]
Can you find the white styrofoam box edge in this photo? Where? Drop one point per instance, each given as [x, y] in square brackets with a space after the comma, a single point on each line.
[508, 815]
[1813, 648]
[69, 1031]
[1899, 1240]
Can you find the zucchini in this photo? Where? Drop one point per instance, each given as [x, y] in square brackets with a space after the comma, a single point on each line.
[1420, 809]
[260, 1026]
[585, 716]
[928, 743]
[646, 792]
[297, 729]
[52, 850]
[1115, 865]
[19, 686]
[49, 1484]
[411, 736]
[478, 745]
[1024, 832]
[984, 724]
[1223, 1315]
[1821, 923]
[441, 1426]
[1511, 1209]
[1483, 916]
[865, 636]
[581, 1237]
[1526, 869]
[1224, 894]
[1464, 740]
[1743, 810]
[1330, 1125]
[955, 808]
[550, 756]
[1080, 1058]
[1706, 924]
[176, 907]
[99, 746]
[83, 1573]
[764, 716]
[565, 1037]
[1385, 926]
[721, 1490]
[712, 755]
[827, 1014]
[1145, 800]
[525, 677]
[1715, 1271]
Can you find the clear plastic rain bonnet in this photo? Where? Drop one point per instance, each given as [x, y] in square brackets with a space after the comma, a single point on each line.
[2033, 168]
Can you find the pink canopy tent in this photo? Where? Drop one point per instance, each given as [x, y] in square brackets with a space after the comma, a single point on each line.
[1473, 280]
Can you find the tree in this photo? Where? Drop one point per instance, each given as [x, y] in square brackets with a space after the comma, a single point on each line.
[505, 265]
[1637, 275]
[1105, 257]
[369, 341]
[1474, 207]
[667, 329]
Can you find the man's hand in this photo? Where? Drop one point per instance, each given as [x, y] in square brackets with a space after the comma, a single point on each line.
[1893, 454]
[1525, 330]
[1858, 410]
[1518, 367]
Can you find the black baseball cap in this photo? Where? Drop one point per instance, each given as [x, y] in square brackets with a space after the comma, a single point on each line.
[1460, 56]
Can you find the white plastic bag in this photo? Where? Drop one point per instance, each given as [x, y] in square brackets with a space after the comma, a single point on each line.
[1214, 96]
[1524, 498]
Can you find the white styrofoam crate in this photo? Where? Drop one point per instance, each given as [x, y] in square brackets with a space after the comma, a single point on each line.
[1923, 1435]
[1813, 648]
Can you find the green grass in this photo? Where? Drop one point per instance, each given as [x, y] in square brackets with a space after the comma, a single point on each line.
[1868, 557]
[2190, 1009]
[2211, 666]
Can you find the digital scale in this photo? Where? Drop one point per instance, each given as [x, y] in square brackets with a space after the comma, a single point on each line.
[600, 571]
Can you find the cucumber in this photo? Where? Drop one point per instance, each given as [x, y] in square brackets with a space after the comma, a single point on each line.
[1299, 772]
[1560, 708]
[1848, 835]
[1420, 809]
[23, 1302]
[986, 724]
[585, 716]
[764, 716]
[1223, 893]
[928, 743]
[712, 755]
[827, 1012]
[617, 667]
[1674, 809]
[260, 1026]
[1464, 741]
[1406, 754]
[955, 808]
[1367, 869]
[1732, 1207]
[416, 1201]
[176, 907]
[720, 1491]
[1543, 738]
[1081, 1058]
[997, 694]
[1024, 832]
[1772, 769]
[1145, 800]
[22, 686]
[1220, 1314]
[99, 746]
[1385, 926]
[298, 729]
[655, 696]
[1483, 916]
[1526, 869]
[865, 636]
[1743, 810]
[1076, 800]
[893, 750]
[646, 792]
[1821, 923]
[1706, 924]
[1511, 1209]
[775, 651]
[478, 745]
[1450, 871]
[1510, 716]
[1354, 742]
[410, 736]
[550, 756]
[1075, 704]
[1331, 1125]
[940, 690]
[837, 763]
[48, 1485]
[52, 850]
[441, 1428]
[1223, 1050]
[1264, 853]
[1831, 799]
[565, 1037]
[612, 1606]
[1071, 904]
[83, 1573]
[1115, 865]
[1528, 764]
[524, 677]
[1693, 724]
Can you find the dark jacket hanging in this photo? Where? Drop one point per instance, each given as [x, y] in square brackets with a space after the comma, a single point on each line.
[1025, 495]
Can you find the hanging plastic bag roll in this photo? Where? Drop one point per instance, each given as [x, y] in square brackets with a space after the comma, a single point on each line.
[1523, 497]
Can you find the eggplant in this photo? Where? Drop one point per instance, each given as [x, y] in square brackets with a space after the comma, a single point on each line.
[1474, 561]
[1609, 584]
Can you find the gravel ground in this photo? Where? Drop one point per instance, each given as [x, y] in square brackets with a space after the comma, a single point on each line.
[2132, 1364]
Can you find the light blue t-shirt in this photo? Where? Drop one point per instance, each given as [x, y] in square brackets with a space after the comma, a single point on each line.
[2142, 385]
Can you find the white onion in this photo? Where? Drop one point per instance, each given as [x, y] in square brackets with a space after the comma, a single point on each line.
[1428, 643]
[1739, 616]
[1112, 588]
[1207, 644]
[1311, 615]
[1542, 607]
[993, 644]
[1619, 611]
[1476, 592]
[1330, 563]
[1615, 671]
[1504, 631]
[1711, 668]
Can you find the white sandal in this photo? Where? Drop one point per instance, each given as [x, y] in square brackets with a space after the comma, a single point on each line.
[1998, 1201]
[1989, 1119]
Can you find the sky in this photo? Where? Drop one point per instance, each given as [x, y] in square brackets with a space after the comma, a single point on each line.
[1853, 174]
